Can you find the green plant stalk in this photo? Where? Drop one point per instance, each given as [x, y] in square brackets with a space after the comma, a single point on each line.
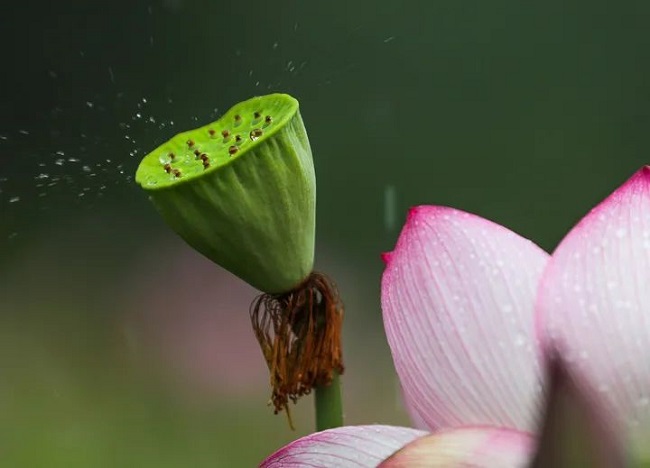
[329, 405]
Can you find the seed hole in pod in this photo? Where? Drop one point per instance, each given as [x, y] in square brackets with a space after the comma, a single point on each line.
[237, 120]
[225, 133]
[257, 115]
[197, 152]
[232, 150]
[190, 143]
[211, 132]
[206, 164]
[171, 156]
[168, 168]
[267, 120]
[238, 139]
[256, 133]
[177, 173]
[204, 157]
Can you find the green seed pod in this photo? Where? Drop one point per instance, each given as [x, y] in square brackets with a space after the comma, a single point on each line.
[242, 191]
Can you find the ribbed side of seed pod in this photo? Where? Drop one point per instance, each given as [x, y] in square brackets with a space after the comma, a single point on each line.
[255, 215]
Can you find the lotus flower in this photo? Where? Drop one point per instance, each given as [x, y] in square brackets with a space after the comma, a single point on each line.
[459, 300]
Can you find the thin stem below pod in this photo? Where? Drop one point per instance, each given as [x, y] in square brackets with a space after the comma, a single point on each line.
[329, 405]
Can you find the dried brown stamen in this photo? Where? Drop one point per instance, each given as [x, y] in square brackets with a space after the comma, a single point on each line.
[300, 336]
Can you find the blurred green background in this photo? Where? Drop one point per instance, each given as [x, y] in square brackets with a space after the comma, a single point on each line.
[119, 346]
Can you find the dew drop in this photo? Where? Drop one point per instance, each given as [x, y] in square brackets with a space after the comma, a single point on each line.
[255, 134]
[520, 340]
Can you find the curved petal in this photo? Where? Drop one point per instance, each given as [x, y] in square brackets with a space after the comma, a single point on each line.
[458, 301]
[476, 447]
[344, 447]
[594, 300]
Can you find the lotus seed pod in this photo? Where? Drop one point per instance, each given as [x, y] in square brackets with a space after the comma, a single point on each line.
[242, 191]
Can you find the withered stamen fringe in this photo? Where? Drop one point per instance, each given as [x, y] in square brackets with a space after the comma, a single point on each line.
[300, 336]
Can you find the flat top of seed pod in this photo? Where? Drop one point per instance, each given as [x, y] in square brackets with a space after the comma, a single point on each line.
[193, 153]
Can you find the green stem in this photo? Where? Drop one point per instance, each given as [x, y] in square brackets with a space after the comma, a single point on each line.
[329, 405]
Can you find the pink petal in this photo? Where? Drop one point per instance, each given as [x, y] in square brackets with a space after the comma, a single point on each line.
[472, 447]
[595, 299]
[458, 302]
[350, 446]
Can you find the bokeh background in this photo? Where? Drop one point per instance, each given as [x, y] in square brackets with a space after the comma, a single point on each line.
[120, 346]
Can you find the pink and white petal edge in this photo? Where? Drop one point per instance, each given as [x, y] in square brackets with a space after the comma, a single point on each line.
[594, 301]
[458, 296]
[473, 446]
[344, 447]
